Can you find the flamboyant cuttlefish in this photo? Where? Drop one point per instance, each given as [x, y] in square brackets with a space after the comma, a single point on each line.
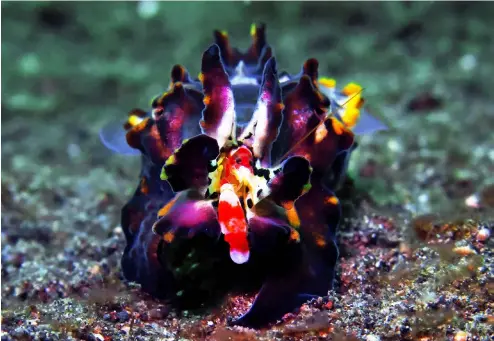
[237, 179]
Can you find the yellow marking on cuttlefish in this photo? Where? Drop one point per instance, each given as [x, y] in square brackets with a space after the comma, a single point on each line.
[168, 237]
[165, 209]
[171, 160]
[338, 127]
[350, 117]
[291, 214]
[293, 217]
[201, 77]
[134, 120]
[163, 175]
[351, 88]
[327, 82]
[215, 176]
[319, 239]
[253, 29]
[307, 186]
[331, 200]
[294, 235]
[144, 186]
[140, 126]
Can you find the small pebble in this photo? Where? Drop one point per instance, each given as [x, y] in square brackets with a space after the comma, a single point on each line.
[32, 322]
[468, 62]
[472, 201]
[483, 234]
[98, 337]
[123, 316]
[464, 250]
[329, 305]
[460, 336]
[125, 329]
[95, 269]
[372, 337]
[394, 146]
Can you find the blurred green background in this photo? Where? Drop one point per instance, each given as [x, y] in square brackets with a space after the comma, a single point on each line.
[71, 67]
